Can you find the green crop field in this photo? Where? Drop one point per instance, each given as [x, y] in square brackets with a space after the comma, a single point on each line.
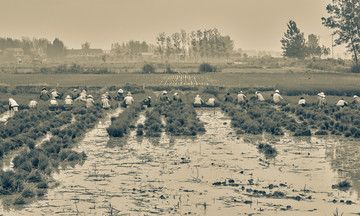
[298, 81]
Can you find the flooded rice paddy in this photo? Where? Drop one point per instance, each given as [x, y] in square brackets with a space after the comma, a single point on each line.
[216, 173]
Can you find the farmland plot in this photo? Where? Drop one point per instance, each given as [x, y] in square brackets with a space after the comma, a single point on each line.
[216, 173]
[182, 79]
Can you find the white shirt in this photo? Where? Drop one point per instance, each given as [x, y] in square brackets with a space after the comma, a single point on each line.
[277, 98]
[128, 100]
[241, 97]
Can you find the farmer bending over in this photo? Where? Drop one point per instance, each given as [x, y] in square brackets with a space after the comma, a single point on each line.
[302, 102]
[13, 107]
[53, 104]
[32, 104]
[198, 102]
[176, 97]
[90, 101]
[211, 102]
[277, 97]
[164, 97]
[228, 97]
[119, 95]
[241, 97]
[68, 102]
[259, 96]
[55, 94]
[82, 96]
[146, 103]
[105, 102]
[321, 101]
[356, 100]
[44, 95]
[128, 100]
[341, 103]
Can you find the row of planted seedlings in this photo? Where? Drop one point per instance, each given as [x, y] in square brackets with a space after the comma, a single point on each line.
[329, 120]
[256, 117]
[33, 166]
[181, 120]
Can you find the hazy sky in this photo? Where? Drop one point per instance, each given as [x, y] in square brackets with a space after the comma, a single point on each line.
[252, 24]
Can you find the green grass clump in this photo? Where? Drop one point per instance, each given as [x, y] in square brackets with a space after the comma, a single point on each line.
[120, 126]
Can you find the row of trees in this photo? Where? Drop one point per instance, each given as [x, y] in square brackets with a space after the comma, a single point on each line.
[55, 48]
[131, 49]
[206, 44]
[294, 44]
[344, 18]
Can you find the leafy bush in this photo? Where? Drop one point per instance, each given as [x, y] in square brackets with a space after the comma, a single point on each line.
[355, 69]
[148, 68]
[267, 150]
[206, 67]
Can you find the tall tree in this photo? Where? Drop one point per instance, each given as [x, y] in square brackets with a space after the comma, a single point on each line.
[169, 47]
[56, 49]
[345, 20]
[293, 42]
[313, 47]
[176, 42]
[184, 41]
[160, 41]
[85, 46]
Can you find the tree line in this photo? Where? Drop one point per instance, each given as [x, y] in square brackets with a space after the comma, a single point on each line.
[344, 19]
[55, 48]
[197, 45]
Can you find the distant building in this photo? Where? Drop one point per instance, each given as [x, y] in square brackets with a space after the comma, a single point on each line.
[84, 52]
[148, 55]
[14, 52]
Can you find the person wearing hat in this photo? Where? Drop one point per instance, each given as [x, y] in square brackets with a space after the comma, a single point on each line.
[75, 94]
[321, 100]
[259, 96]
[241, 97]
[44, 94]
[53, 104]
[119, 95]
[68, 102]
[128, 100]
[176, 97]
[302, 102]
[55, 94]
[90, 101]
[13, 107]
[146, 103]
[82, 97]
[164, 97]
[356, 100]
[211, 102]
[198, 102]
[107, 95]
[33, 104]
[341, 103]
[277, 97]
[228, 97]
[105, 102]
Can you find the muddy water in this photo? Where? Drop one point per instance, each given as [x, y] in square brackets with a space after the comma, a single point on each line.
[175, 176]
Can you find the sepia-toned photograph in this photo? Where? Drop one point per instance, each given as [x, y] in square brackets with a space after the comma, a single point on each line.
[179, 107]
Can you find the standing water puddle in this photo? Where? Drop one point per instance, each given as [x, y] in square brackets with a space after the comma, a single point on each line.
[212, 174]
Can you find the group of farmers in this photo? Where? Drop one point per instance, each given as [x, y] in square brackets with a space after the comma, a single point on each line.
[127, 100]
[276, 97]
[54, 96]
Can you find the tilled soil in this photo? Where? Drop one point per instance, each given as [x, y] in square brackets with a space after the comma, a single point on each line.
[216, 173]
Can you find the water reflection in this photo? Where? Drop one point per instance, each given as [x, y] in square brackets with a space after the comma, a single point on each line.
[344, 158]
